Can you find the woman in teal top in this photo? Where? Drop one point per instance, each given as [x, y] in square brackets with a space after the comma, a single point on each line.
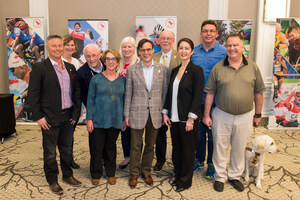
[105, 117]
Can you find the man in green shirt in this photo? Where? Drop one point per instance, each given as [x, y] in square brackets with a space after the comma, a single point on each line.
[234, 83]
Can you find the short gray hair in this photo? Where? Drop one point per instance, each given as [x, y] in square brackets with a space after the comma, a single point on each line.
[92, 45]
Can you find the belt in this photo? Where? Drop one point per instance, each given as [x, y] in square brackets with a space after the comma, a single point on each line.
[64, 111]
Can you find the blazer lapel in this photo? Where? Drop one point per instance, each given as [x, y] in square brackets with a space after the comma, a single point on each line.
[156, 72]
[139, 71]
[187, 70]
[70, 72]
[52, 71]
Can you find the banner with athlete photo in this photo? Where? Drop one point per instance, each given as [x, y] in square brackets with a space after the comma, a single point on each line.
[88, 31]
[25, 46]
[241, 27]
[150, 27]
[285, 104]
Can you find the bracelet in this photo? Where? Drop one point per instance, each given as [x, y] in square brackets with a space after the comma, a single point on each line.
[257, 115]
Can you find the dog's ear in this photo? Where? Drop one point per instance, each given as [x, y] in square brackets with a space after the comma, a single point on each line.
[262, 145]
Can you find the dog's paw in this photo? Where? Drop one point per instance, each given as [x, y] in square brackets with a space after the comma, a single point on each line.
[246, 178]
[258, 184]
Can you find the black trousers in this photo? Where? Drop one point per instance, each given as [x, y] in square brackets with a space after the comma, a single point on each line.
[103, 146]
[161, 144]
[183, 152]
[62, 137]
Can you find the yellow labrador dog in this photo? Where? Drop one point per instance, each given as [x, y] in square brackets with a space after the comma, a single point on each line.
[254, 157]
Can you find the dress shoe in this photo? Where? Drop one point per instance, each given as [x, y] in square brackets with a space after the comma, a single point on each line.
[173, 183]
[218, 186]
[55, 188]
[112, 180]
[148, 179]
[72, 181]
[180, 189]
[158, 166]
[74, 165]
[124, 164]
[95, 181]
[133, 181]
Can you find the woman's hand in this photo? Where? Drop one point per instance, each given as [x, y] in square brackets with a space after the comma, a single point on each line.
[167, 121]
[189, 125]
[90, 126]
[124, 126]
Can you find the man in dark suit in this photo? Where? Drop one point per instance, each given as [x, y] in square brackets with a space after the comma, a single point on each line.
[92, 67]
[54, 96]
[168, 57]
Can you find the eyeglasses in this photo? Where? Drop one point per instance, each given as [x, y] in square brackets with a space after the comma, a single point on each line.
[110, 59]
[206, 31]
[144, 50]
[166, 38]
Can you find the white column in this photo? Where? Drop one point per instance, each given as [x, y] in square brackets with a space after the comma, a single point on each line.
[265, 36]
[40, 8]
[218, 9]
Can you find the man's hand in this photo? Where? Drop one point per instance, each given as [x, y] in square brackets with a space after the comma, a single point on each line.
[167, 121]
[207, 121]
[72, 121]
[43, 123]
[256, 121]
[90, 126]
[127, 121]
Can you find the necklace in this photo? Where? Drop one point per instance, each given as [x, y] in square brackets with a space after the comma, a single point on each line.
[112, 90]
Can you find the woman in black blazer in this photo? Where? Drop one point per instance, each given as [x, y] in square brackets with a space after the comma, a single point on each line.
[182, 112]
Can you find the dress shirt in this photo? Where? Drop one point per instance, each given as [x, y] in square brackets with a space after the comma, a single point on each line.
[148, 75]
[168, 58]
[65, 85]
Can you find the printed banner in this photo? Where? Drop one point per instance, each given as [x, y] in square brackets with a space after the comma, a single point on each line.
[242, 27]
[150, 27]
[88, 31]
[286, 75]
[25, 46]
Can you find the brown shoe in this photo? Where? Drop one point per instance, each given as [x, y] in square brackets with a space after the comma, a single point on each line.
[148, 179]
[133, 181]
[95, 181]
[112, 180]
[55, 188]
[72, 181]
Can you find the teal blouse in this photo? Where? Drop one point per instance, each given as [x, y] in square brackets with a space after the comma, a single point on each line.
[101, 109]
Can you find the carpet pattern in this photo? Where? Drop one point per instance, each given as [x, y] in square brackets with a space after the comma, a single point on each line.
[22, 176]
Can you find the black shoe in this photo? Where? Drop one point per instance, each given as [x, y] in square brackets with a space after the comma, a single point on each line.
[122, 166]
[173, 183]
[180, 189]
[237, 185]
[218, 186]
[74, 165]
[158, 166]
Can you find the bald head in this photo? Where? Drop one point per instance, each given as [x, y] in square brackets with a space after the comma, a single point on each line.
[278, 28]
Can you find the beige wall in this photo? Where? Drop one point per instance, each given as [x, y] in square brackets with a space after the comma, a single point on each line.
[20, 9]
[295, 8]
[244, 9]
[121, 15]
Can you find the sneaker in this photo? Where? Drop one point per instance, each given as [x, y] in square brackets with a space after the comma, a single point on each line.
[218, 186]
[198, 165]
[237, 185]
[210, 171]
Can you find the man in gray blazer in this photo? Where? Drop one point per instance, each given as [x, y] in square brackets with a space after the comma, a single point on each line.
[168, 57]
[146, 89]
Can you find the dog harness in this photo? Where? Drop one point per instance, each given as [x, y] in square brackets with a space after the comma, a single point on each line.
[255, 156]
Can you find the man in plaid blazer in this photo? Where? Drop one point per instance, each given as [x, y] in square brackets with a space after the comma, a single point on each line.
[146, 89]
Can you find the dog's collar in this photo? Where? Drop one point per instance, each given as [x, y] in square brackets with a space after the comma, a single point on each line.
[256, 154]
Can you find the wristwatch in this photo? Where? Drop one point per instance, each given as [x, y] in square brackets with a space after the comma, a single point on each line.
[257, 115]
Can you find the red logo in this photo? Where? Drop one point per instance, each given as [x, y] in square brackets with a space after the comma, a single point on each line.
[101, 26]
[16, 57]
[37, 23]
[170, 23]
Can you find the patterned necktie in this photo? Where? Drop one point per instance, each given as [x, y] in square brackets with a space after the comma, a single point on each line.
[164, 61]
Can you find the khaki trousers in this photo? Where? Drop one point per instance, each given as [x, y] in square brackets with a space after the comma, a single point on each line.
[233, 130]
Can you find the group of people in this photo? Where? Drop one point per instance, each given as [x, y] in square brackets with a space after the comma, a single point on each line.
[136, 95]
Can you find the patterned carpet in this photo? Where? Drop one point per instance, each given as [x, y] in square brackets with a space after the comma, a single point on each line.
[22, 177]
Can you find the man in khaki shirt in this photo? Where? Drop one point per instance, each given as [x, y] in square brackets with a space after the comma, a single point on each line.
[234, 83]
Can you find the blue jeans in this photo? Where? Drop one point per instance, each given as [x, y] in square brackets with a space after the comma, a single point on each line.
[201, 141]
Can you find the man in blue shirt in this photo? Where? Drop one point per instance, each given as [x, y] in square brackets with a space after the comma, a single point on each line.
[206, 55]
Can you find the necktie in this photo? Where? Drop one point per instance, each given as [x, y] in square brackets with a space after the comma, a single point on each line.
[164, 61]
